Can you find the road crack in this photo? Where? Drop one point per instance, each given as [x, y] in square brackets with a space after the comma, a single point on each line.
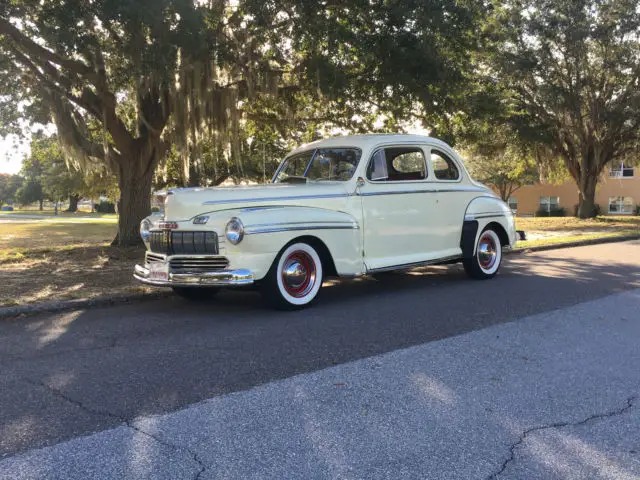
[123, 420]
[522, 438]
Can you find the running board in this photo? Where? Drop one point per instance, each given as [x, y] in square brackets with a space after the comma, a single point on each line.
[437, 261]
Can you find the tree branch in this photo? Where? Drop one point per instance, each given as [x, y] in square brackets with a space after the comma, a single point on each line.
[41, 55]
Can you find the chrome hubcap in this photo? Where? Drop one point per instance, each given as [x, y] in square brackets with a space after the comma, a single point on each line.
[487, 252]
[298, 274]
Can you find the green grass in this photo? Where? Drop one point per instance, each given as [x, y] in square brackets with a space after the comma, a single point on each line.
[18, 239]
[603, 223]
[573, 238]
[48, 213]
[559, 230]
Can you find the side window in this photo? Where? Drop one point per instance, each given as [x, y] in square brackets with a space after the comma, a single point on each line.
[395, 164]
[443, 167]
[295, 166]
[377, 170]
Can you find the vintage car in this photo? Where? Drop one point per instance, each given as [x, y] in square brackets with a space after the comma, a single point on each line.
[344, 206]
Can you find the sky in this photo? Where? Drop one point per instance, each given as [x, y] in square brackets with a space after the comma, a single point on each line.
[11, 154]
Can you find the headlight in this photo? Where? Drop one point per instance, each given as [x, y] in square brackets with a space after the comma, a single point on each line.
[145, 227]
[234, 231]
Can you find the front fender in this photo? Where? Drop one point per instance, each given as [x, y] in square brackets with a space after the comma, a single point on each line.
[269, 229]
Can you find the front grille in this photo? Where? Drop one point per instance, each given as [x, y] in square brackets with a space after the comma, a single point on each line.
[198, 265]
[154, 257]
[184, 243]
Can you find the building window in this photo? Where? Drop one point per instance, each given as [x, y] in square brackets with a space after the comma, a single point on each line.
[621, 205]
[513, 204]
[620, 170]
[549, 204]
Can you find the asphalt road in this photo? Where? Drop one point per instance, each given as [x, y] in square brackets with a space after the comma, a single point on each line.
[71, 374]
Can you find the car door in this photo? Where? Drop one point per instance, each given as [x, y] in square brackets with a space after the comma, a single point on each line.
[454, 193]
[398, 205]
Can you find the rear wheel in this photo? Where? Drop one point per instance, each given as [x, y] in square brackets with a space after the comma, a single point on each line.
[487, 258]
[198, 294]
[294, 279]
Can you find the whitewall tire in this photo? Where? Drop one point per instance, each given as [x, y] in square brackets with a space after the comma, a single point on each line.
[295, 278]
[487, 256]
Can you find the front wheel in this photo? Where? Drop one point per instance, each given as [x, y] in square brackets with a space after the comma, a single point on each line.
[294, 279]
[198, 294]
[487, 258]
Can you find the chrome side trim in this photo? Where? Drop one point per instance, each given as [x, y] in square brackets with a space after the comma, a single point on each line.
[395, 192]
[339, 195]
[274, 199]
[475, 216]
[463, 189]
[318, 222]
[290, 227]
[407, 192]
[415, 264]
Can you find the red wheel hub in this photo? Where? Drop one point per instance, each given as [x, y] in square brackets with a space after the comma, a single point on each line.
[298, 273]
[487, 251]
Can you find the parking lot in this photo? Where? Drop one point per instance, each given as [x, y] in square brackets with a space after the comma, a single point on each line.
[421, 374]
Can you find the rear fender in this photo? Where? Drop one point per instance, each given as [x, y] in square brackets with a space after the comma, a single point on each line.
[480, 212]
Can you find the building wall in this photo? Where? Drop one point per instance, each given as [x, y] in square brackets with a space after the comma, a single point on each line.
[529, 196]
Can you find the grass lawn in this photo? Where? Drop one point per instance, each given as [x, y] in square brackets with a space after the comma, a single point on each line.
[557, 230]
[63, 214]
[47, 261]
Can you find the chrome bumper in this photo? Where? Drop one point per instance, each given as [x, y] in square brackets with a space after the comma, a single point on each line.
[221, 278]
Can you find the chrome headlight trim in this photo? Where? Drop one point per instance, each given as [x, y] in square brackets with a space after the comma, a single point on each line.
[234, 231]
[145, 229]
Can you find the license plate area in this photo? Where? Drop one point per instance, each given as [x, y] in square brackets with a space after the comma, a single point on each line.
[158, 271]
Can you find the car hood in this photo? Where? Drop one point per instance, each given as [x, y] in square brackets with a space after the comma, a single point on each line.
[186, 203]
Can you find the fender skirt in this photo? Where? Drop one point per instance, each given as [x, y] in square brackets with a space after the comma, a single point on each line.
[468, 240]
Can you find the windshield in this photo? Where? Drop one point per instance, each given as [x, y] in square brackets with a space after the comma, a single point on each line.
[323, 164]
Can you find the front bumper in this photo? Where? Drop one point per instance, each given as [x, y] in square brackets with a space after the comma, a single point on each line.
[220, 278]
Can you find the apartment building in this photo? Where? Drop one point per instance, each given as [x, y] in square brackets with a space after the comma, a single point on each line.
[618, 193]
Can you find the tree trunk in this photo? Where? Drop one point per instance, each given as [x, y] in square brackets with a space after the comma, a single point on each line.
[135, 180]
[73, 203]
[587, 207]
[41, 204]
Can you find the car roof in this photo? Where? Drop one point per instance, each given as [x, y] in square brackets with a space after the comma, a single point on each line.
[370, 140]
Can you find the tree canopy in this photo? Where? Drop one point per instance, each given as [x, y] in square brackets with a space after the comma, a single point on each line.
[9, 185]
[126, 82]
[571, 77]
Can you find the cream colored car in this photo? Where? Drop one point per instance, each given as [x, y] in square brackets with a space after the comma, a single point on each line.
[344, 206]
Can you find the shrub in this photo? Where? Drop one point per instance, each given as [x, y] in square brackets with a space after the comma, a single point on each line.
[636, 212]
[155, 209]
[105, 207]
[556, 212]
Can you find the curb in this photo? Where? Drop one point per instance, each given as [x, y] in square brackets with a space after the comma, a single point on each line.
[64, 305]
[577, 243]
[105, 301]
